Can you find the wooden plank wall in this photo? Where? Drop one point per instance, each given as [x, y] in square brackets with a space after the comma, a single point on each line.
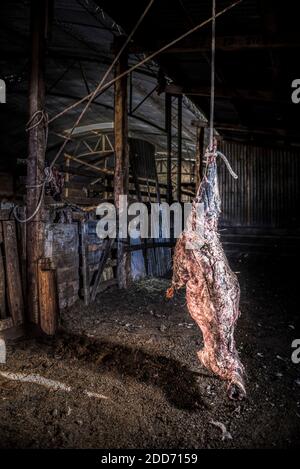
[158, 260]
[62, 247]
[11, 291]
[94, 249]
[266, 195]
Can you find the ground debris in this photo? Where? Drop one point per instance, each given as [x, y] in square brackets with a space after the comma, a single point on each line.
[225, 434]
[36, 379]
[96, 395]
[188, 325]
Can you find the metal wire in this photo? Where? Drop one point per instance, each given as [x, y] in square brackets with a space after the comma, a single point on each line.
[145, 60]
[98, 88]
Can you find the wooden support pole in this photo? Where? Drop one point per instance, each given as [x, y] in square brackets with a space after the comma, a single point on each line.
[199, 155]
[121, 176]
[48, 299]
[179, 148]
[132, 158]
[168, 121]
[84, 263]
[36, 155]
[107, 245]
[13, 273]
[2, 277]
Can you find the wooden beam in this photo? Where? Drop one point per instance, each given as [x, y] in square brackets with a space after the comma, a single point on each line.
[2, 278]
[13, 273]
[48, 299]
[199, 155]
[179, 148]
[121, 174]
[139, 195]
[89, 165]
[225, 43]
[238, 128]
[107, 172]
[224, 92]
[84, 263]
[36, 154]
[108, 243]
[168, 121]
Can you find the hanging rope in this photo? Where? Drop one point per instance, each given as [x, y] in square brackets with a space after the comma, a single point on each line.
[47, 180]
[212, 151]
[212, 83]
[232, 173]
[38, 118]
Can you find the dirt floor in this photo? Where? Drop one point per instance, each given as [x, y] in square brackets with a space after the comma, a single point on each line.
[132, 379]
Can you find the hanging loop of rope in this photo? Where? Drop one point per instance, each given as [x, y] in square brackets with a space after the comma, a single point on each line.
[232, 173]
[38, 118]
[210, 156]
[48, 178]
[41, 116]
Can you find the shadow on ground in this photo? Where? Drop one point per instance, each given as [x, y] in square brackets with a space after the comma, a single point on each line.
[178, 383]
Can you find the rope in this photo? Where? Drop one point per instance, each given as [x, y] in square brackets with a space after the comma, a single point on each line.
[212, 148]
[232, 173]
[212, 84]
[41, 115]
[38, 117]
[26, 220]
[209, 155]
[48, 178]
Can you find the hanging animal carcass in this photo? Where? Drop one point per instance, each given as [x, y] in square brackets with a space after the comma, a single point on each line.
[212, 289]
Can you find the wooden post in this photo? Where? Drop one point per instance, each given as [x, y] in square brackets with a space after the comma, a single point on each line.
[168, 120]
[36, 155]
[48, 299]
[179, 147]
[2, 278]
[121, 175]
[13, 273]
[84, 263]
[106, 249]
[199, 156]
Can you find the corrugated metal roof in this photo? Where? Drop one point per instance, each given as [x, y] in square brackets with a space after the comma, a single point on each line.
[79, 53]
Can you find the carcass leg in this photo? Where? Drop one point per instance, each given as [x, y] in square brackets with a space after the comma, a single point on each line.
[219, 353]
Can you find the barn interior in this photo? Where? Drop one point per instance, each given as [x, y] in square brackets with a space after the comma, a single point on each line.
[96, 356]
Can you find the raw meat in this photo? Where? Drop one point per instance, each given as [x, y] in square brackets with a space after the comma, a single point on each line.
[212, 289]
